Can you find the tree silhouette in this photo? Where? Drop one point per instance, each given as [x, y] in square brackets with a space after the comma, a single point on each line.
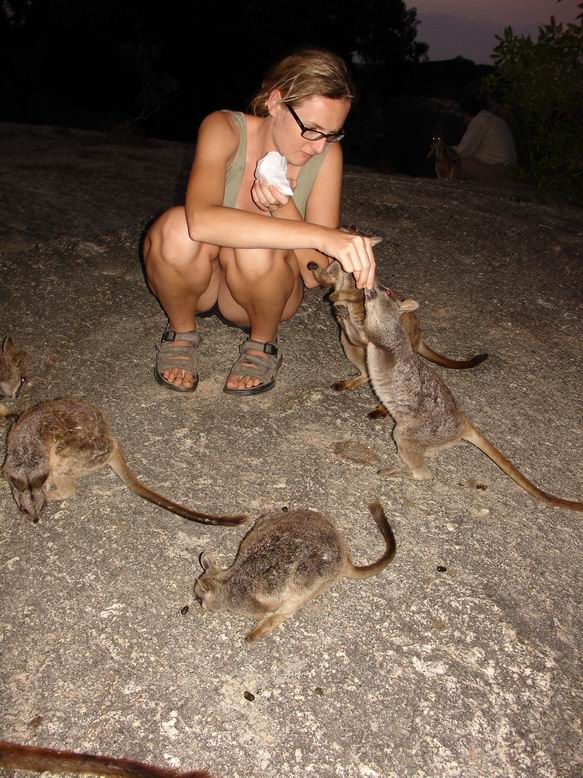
[169, 63]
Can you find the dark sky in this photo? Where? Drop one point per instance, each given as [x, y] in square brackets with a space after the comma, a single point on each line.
[467, 27]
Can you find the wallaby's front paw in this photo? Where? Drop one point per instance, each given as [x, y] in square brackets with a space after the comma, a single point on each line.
[378, 413]
[341, 311]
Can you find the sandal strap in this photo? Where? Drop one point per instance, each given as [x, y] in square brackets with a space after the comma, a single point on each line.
[181, 357]
[264, 368]
[257, 345]
[251, 364]
[193, 336]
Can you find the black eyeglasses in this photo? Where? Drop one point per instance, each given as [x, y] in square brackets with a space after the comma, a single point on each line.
[331, 137]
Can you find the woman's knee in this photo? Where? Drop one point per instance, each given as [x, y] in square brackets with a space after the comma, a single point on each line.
[168, 242]
[257, 264]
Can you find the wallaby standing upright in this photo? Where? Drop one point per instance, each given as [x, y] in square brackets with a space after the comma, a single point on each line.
[55, 442]
[284, 561]
[346, 294]
[447, 160]
[427, 418]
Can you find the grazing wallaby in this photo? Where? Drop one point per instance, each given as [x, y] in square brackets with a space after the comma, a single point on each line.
[346, 294]
[447, 161]
[12, 369]
[427, 418]
[284, 561]
[55, 442]
[16, 757]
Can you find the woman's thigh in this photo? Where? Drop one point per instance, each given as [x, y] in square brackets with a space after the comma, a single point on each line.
[172, 258]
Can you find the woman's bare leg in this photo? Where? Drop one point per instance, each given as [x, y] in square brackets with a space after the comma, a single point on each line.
[184, 276]
[260, 288]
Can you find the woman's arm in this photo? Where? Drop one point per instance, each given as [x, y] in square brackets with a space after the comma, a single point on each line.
[323, 208]
[210, 222]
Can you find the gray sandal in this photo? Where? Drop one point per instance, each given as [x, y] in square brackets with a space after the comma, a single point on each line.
[264, 368]
[182, 357]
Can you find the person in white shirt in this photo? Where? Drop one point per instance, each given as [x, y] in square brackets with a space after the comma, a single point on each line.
[487, 149]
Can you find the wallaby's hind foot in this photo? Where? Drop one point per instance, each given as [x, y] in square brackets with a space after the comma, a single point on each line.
[405, 475]
[265, 626]
[397, 474]
[350, 383]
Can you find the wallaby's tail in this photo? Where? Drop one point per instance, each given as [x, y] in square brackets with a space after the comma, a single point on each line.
[454, 364]
[119, 465]
[366, 571]
[474, 436]
[16, 757]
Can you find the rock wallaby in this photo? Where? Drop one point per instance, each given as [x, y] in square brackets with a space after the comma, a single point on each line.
[447, 161]
[345, 293]
[12, 369]
[16, 757]
[55, 442]
[427, 418]
[283, 562]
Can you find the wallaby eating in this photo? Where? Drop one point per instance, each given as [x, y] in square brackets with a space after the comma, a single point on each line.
[55, 442]
[427, 418]
[346, 294]
[447, 160]
[284, 561]
[12, 369]
[13, 756]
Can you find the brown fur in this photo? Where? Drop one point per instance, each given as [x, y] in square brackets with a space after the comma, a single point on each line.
[56, 442]
[427, 418]
[447, 161]
[12, 369]
[16, 757]
[346, 294]
[284, 561]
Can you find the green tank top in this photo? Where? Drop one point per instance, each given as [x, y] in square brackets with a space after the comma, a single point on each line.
[235, 170]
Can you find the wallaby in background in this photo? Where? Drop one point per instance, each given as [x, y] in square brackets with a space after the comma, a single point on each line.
[427, 418]
[16, 757]
[346, 294]
[55, 442]
[285, 560]
[447, 160]
[12, 369]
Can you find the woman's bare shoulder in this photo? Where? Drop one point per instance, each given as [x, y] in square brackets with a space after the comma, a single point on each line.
[219, 130]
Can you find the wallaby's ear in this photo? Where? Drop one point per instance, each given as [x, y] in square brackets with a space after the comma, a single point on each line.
[8, 345]
[321, 274]
[207, 563]
[407, 305]
[353, 230]
[200, 586]
[22, 363]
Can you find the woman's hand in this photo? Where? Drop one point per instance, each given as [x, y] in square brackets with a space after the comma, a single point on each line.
[266, 197]
[354, 252]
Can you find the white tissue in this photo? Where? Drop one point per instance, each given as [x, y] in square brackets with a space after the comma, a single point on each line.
[273, 169]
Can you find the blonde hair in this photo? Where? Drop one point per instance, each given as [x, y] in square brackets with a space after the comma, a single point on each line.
[306, 73]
